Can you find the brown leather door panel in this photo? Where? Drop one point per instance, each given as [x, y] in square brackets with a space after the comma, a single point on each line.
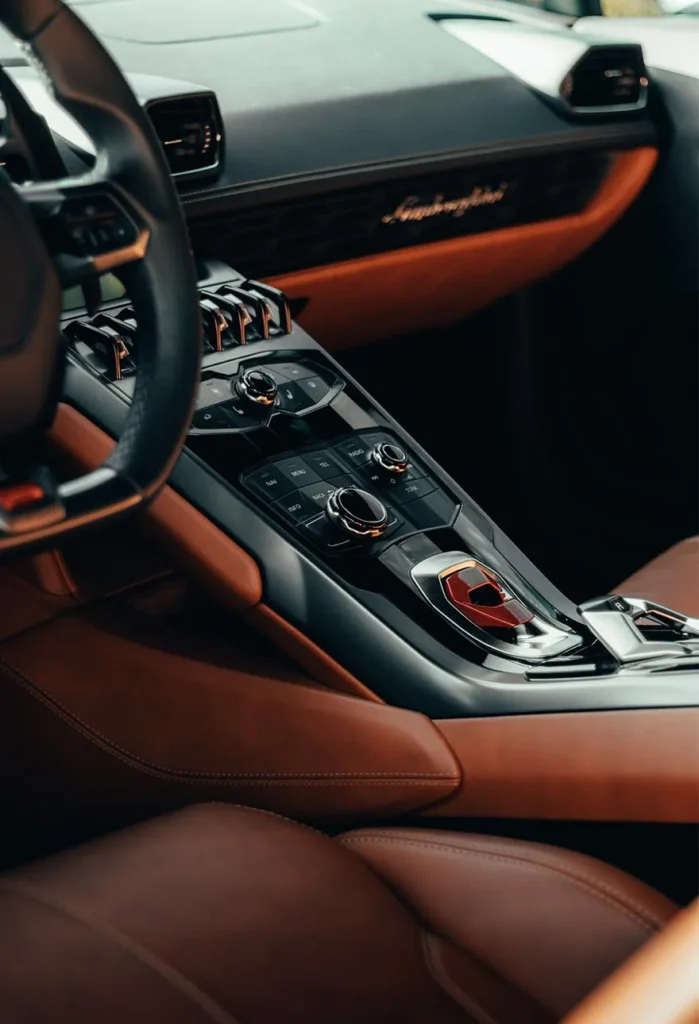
[589, 766]
[99, 707]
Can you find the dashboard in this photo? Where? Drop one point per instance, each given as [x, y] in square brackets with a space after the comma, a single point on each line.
[306, 136]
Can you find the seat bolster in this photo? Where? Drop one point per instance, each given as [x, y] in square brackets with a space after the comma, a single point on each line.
[550, 922]
[671, 579]
[257, 918]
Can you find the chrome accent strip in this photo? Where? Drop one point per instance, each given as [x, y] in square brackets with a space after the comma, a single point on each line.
[613, 621]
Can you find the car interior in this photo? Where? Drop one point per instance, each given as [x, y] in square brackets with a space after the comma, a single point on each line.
[349, 512]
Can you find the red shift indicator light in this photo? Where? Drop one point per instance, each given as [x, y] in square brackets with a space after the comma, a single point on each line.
[16, 497]
[481, 598]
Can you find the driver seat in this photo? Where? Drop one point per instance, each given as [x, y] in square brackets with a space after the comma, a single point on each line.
[228, 914]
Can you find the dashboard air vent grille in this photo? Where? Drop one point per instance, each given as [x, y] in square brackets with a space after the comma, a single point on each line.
[189, 129]
[609, 77]
[312, 231]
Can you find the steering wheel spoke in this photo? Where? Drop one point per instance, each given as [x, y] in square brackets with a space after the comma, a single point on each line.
[90, 226]
[125, 213]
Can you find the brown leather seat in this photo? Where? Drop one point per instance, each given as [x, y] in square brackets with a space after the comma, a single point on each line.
[218, 913]
[671, 579]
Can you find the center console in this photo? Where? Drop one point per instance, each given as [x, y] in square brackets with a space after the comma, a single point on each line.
[365, 543]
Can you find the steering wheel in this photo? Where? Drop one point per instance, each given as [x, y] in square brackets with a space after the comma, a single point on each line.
[124, 215]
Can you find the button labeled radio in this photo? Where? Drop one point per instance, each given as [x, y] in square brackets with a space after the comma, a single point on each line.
[356, 450]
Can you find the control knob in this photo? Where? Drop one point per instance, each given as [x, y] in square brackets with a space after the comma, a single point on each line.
[357, 512]
[258, 387]
[390, 457]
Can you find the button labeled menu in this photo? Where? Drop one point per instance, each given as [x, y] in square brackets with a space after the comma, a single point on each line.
[297, 472]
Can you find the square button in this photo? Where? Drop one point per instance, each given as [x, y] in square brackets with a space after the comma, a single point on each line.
[212, 391]
[315, 389]
[409, 490]
[291, 398]
[238, 414]
[323, 463]
[319, 493]
[356, 450]
[436, 509]
[296, 507]
[212, 418]
[269, 482]
[293, 371]
[297, 472]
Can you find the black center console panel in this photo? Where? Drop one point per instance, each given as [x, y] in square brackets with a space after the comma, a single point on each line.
[365, 544]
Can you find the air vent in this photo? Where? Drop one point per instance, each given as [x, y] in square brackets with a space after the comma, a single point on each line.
[189, 128]
[393, 215]
[607, 78]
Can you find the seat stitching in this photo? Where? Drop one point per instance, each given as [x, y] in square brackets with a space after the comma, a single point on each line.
[263, 810]
[213, 1010]
[252, 778]
[629, 908]
[447, 984]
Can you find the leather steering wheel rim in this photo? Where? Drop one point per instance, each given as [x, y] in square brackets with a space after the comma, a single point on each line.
[157, 268]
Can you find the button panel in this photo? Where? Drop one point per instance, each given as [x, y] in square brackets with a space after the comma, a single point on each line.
[301, 388]
[300, 488]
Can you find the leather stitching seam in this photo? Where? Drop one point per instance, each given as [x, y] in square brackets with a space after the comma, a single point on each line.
[225, 778]
[144, 956]
[447, 984]
[269, 814]
[618, 901]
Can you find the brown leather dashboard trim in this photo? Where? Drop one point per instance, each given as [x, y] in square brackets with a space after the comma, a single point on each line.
[362, 300]
[658, 985]
[228, 571]
[590, 766]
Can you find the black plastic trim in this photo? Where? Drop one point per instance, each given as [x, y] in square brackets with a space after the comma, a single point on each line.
[419, 673]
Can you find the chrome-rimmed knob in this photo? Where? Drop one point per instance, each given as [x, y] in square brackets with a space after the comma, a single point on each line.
[390, 457]
[357, 512]
[258, 387]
